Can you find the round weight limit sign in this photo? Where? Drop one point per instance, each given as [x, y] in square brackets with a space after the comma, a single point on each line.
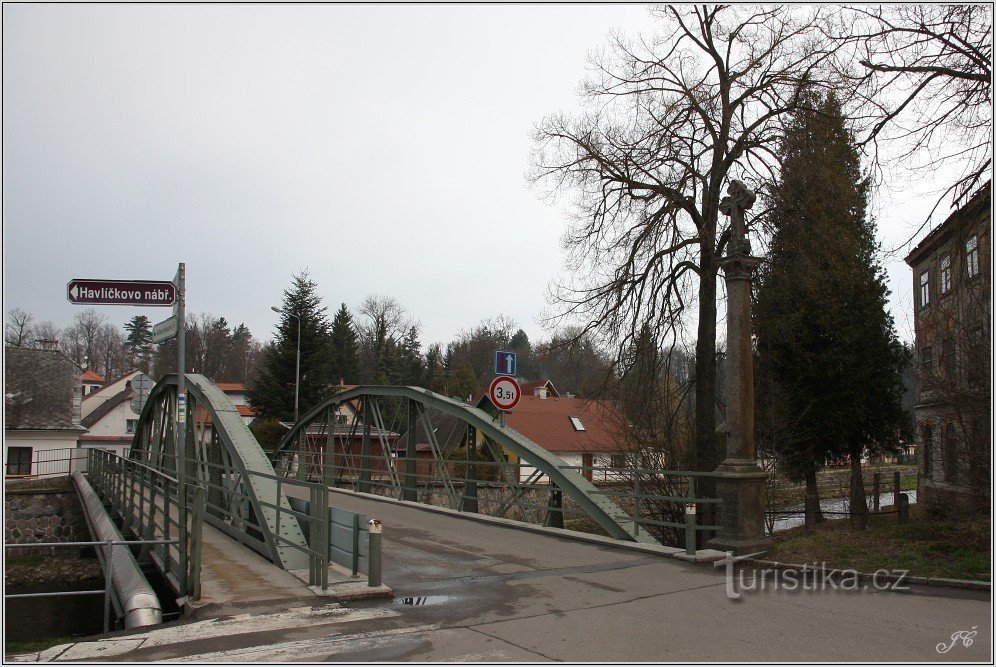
[504, 392]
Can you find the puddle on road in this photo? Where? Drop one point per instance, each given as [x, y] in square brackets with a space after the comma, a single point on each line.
[423, 600]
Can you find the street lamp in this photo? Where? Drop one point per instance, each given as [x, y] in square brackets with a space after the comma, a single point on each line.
[297, 372]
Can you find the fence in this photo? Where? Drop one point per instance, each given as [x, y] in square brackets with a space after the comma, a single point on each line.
[146, 500]
[663, 503]
[48, 463]
[106, 547]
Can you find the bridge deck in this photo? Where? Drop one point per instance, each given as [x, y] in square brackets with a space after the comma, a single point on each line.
[231, 572]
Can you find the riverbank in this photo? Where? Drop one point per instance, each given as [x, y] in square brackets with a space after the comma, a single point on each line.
[954, 547]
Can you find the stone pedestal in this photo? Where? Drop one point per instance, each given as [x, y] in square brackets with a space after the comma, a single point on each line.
[741, 514]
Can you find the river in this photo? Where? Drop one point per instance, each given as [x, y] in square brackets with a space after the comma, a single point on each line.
[797, 518]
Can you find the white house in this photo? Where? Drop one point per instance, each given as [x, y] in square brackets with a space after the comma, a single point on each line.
[42, 390]
[108, 416]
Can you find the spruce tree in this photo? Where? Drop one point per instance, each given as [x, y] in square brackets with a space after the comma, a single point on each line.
[829, 371]
[139, 342]
[273, 393]
[345, 361]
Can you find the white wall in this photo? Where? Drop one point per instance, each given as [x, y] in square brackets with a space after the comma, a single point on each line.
[114, 422]
[38, 441]
[97, 398]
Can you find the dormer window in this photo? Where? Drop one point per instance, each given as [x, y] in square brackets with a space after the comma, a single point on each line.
[578, 426]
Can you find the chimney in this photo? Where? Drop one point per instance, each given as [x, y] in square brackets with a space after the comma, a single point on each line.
[540, 391]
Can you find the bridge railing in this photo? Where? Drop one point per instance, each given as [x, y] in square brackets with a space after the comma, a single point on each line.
[666, 504]
[146, 501]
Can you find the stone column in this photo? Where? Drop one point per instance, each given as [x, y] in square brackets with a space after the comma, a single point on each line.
[741, 486]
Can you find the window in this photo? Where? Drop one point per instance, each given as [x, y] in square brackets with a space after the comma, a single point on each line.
[130, 425]
[945, 274]
[950, 455]
[618, 460]
[927, 437]
[578, 426]
[587, 462]
[927, 361]
[948, 358]
[18, 460]
[924, 288]
[972, 256]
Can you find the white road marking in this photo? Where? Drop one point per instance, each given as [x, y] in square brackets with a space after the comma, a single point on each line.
[225, 627]
[309, 650]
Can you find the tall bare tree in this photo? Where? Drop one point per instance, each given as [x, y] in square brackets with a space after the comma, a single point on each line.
[925, 87]
[668, 121]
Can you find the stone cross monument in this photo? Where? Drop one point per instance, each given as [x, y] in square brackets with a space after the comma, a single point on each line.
[741, 486]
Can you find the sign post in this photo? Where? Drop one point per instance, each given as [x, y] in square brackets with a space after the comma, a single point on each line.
[179, 312]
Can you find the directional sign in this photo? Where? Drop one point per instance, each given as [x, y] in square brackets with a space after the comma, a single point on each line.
[121, 292]
[504, 362]
[142, 385]
[504, 392]
[165, 330]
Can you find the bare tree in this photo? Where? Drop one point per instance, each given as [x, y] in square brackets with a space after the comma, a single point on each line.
[18, 330]
[80, 339]
[383, 319]
[925, 93]
[668, 122]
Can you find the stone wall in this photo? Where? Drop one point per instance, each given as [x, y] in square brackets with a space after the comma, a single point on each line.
[42, 510]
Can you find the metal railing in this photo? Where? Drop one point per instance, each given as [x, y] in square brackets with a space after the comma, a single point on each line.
[146, 501]
[664, 503]
[49, 463]
[107, 547]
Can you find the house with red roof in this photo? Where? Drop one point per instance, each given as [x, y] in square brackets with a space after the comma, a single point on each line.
[582, 432]
[91, 381]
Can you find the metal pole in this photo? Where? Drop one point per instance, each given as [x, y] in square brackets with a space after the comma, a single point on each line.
[375, 530]
[181, 399]
[107, 586]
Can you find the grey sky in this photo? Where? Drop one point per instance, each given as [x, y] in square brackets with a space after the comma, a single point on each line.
[383, 148]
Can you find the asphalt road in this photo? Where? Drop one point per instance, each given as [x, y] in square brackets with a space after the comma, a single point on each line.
[472, 591]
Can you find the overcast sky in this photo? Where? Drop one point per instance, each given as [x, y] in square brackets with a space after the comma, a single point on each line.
[382, 148]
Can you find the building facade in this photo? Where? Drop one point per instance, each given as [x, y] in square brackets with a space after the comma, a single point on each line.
[952, 283]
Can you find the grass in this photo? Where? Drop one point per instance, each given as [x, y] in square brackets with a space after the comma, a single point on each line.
[36, 645]
[956, 547]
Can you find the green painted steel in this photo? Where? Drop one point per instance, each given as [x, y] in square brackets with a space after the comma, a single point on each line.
[569, 481]
[246, 457]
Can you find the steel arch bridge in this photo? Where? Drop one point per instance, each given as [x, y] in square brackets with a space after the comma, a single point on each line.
[402, 442]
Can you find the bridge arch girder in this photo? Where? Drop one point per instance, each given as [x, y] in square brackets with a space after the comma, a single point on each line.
[569, 481]
[244, 455]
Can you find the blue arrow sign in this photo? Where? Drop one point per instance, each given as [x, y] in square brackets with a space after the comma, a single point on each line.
[504, 362]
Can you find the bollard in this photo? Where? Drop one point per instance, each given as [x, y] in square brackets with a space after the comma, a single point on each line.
[904, 508]
[375, 529]
[876, 491]
[690, 529]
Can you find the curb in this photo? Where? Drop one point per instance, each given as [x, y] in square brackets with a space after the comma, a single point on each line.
[941, 582]
[700, 556]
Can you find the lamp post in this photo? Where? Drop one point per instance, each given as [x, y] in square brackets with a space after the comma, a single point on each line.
[297, 370]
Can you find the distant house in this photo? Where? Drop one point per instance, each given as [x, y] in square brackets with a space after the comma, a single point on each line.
[42, 394]
[108, 416]
[952, 284]
[581, 432]
[92, 381]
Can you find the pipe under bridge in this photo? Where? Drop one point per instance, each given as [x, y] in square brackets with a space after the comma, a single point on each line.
[403, 442]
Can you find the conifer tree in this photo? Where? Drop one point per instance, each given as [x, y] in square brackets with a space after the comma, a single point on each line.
[829, 371]
[273, 393]
[345, 361]
[139, 342]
